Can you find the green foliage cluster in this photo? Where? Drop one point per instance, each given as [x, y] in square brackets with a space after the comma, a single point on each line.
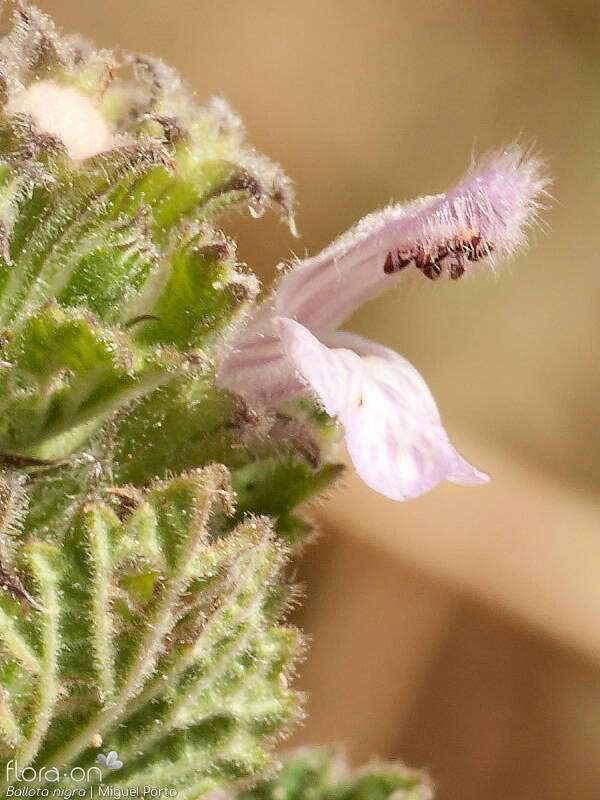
[320, 775]
[146, 516]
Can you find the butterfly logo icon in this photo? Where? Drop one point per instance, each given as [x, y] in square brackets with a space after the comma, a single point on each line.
[111, 761]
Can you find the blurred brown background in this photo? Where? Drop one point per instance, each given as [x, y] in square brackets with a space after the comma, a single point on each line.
[459, 632]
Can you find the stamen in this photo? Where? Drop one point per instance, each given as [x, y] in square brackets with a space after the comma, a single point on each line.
[468, 245]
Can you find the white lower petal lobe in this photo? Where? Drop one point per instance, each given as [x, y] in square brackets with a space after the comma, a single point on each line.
[392, 425]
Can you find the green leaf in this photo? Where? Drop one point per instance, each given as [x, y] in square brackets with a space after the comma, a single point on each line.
[162, 642]
[62, 370]
[321, 775]
[278, 484]
[201, 293]
[178, 427]
[70, 228]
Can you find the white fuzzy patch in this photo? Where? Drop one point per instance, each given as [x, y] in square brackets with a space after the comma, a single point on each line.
[67, 114]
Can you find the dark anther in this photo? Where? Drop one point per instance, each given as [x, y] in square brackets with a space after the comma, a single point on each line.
[427, 264]
[469, 245]
[431, 269]
[479, 247]
[456, 269]
[396, 261]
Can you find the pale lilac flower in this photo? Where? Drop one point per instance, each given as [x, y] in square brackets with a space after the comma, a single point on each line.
[392, 426]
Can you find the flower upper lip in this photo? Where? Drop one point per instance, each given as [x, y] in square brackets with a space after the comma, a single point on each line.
[499, 202]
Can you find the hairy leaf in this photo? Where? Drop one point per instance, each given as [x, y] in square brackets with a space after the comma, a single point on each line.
[153, 638]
